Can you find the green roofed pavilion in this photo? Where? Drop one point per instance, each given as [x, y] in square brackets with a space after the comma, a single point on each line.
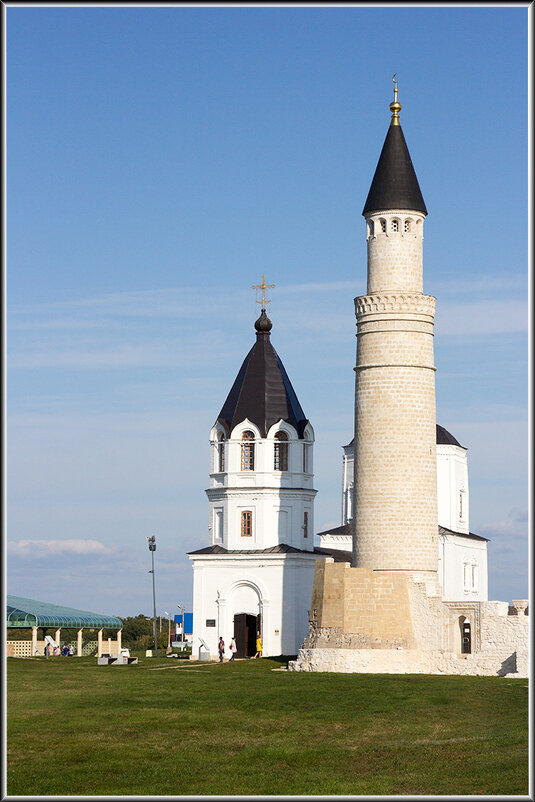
[30, 613]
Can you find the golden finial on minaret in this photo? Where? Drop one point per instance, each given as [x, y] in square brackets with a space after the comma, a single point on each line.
[262, 287]
[395, 107]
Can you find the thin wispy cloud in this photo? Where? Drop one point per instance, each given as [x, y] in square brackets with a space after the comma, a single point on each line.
[512, 528]
[38, 549]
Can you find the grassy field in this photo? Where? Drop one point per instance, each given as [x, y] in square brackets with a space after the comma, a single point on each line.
[175, 727]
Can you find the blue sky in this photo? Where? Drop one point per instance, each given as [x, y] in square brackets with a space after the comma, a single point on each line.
[159, 161]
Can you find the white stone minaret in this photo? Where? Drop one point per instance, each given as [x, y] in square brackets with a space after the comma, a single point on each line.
[395, 438]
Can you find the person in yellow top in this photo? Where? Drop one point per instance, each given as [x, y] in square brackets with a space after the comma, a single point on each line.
[258, 646]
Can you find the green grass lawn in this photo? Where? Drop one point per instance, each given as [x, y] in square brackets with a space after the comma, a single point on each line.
[176, 727]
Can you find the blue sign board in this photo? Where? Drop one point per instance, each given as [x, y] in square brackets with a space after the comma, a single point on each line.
[188, 622]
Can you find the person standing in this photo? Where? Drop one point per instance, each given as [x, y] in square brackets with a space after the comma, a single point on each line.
[47, 650]
[233, 649]
[221, 649]
[258, 646]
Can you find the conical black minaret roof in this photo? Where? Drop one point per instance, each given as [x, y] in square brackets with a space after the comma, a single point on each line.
[262, 391]
[394, 185]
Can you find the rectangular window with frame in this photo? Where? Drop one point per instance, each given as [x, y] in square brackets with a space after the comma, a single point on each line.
[466, 576]
[247, 523]
[218, 525]
[462, 505]
[305, 524]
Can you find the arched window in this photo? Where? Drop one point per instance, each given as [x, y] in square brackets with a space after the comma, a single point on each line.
[383, 226]
[247, 523]
[280, 461]
[407, 226]
[466, 636]
[247, 451]
[306, 457]
[220, 452]
[371, 227]
[394, 226]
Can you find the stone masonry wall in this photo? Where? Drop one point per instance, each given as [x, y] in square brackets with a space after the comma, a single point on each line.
[406, 661]
[359, 607]
[385, 622]
[395, 439]
[395, 257]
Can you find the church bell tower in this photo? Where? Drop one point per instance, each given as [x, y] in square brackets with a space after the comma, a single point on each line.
[395, 480]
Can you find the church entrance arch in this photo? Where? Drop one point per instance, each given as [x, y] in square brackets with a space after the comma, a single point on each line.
[246, 627]
[245, 608]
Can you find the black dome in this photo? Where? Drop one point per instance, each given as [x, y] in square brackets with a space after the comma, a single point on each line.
[444, 438]
[262, 391]
[394, 184]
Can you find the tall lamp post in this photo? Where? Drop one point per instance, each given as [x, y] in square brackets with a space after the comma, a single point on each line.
[152, 549]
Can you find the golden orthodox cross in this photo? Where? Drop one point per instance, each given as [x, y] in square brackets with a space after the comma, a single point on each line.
[262, 287]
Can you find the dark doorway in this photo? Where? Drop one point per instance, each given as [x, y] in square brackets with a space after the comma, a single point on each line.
[245, 628]
[466, 643]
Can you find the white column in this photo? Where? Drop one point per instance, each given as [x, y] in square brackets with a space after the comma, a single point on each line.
[57, 636]
[99, 646]
[119, 633]
[79, 644]
[266, 634]
[34, 640]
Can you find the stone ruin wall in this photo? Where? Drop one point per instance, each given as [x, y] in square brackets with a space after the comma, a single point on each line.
[364, 621]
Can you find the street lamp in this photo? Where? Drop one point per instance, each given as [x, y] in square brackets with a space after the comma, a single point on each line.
[169, 617]
[152, 549]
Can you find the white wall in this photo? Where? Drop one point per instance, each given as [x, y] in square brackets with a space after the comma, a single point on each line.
[452, 483]
[462, 568]
[277, 499]
[279, 586]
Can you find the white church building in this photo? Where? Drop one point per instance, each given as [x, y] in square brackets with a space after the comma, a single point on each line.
[462, 555]
[256, 574]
